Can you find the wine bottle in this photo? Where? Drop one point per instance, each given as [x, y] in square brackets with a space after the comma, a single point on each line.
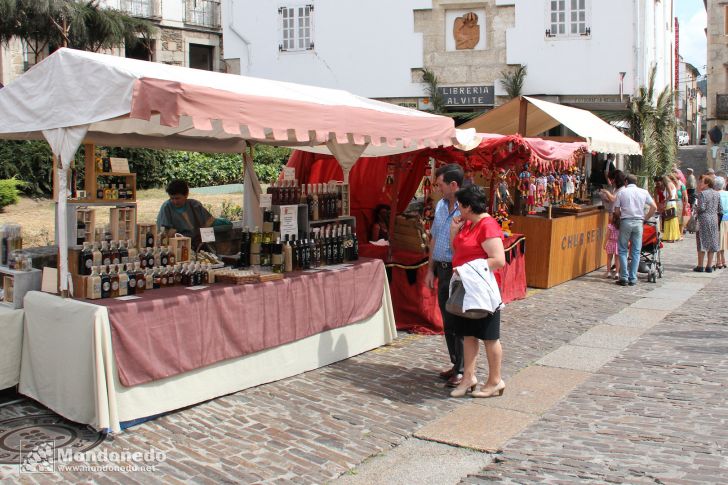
[149, 278]
[244, 259]
[315, 204]
[171, 258]
[105, 254]
[149, 238]
[354, 245]
[141, 279]
[98, 259]
[131, 275]
[287, 256]
[80, 232]
[123, 280]
[156, 278]
[105, 285]
[115, 254]
[123, 252]
[86, 260]
[93, 284]
[114, 277]
[150, 259]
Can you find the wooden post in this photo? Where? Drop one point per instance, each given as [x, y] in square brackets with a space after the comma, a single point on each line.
[393, 208]
[523, 117]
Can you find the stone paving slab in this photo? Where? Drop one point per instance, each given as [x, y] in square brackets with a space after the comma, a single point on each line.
[655, 414]
[535, 389]
[636, 318]
[608, 337]
[682, 284]
[681, 295]
[431, 462]
[660, 304]
[477, 427]
[586, 359]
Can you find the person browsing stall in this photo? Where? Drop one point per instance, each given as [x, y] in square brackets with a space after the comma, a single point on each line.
[477, 237]
[183, 215]
[629, 209]
[448, 180]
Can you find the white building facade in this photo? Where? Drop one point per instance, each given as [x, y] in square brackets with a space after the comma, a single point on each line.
[588, 51]
[580, 52]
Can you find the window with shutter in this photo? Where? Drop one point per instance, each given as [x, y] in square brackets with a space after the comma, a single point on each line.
[296, 28]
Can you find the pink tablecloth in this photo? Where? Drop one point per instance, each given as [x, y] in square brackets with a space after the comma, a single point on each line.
[174, 330]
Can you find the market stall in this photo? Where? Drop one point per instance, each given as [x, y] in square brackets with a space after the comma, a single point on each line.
[567, 237]
[74, 351]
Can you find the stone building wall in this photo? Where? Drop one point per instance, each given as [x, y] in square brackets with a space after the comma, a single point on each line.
[717, 77]
[11, 61]
[464, 67]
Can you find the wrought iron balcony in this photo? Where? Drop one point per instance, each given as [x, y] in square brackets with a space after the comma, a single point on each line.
[205, 13]
[148, 9]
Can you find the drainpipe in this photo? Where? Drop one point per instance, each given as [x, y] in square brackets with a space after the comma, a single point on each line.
[637, 46]
[240, 36]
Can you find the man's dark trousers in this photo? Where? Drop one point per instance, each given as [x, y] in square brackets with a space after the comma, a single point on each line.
[443, 272]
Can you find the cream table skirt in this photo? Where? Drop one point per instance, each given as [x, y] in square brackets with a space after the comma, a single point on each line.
[68, 363]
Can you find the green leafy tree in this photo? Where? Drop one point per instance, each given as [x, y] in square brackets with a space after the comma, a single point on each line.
[431, 88]
[44, 25]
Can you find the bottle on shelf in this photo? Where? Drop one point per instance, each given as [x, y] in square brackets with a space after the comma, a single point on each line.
[106, 165]
[80, 231]
[149, 238]
[255, 242]
[123, 280]
[141, 280]
[206, 270]
[277, 257]
[287, 257]
[171, 258]
[184, 252]
[105, 284]
[115, 253]
[93, 285]
[114, 277]
[97, 255]
[314, 211]
[105, 254]
[149, 278]
[354, 245]
[151, 263]
[86, 259]
[132, 250]
[100, 191]
[114, 192]
[132, 280]
[107, 191]
[163, 236]
[164, 256]
[123, 252]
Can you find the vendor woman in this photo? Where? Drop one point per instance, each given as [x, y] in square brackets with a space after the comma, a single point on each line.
[185, 216]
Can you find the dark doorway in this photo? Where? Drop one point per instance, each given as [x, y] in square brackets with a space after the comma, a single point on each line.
[141, 50]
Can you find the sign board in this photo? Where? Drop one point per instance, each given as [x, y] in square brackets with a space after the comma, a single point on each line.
[467, 95]
[289, 173]
[289, 221]
[266, 201]
[119, 165]
[207, 234]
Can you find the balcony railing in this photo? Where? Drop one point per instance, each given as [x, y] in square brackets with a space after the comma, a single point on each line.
[148, 9]
[205, 13]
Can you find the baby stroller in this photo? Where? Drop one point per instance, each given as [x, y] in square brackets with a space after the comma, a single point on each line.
[650, 262]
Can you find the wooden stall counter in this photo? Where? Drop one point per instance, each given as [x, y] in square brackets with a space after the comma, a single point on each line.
[564, 247]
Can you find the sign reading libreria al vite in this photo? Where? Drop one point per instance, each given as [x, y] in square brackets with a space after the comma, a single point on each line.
[467, 95]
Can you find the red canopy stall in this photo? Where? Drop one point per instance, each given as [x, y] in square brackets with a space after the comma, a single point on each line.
[415, 305]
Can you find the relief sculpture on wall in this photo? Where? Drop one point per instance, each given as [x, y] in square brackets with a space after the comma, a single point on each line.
[466, 31]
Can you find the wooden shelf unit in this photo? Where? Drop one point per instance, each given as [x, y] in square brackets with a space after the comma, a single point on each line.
[91, 177]
[123, 223]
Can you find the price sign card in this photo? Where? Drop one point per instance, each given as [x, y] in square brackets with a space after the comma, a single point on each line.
[128, 297]
[207, 234]
[119, 165]
[195, 288]
[289, 220]
[289, 173]
[266, 201]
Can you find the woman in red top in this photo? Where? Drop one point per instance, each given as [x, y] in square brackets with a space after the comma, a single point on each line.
[476, 235]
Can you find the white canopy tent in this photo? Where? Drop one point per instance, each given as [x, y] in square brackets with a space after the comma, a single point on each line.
[530, 117]
[74, 97]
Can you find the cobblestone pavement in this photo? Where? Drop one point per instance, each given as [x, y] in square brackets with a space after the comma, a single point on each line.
[656, 414]
[313, 427]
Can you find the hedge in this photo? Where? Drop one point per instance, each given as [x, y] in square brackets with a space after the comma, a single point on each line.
[31, 162]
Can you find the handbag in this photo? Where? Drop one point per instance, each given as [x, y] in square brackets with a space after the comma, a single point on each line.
[454, 304]
[669, 214]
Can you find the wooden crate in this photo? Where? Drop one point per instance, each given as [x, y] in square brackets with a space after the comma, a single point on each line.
[177, 243]
[88, 217]
[409, 234]
[141, 232]
[123, 223]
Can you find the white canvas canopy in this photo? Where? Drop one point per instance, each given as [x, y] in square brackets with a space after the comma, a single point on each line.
[530, 117]
[74, 96]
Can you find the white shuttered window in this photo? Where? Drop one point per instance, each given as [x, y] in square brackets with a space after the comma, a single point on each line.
[296, 26]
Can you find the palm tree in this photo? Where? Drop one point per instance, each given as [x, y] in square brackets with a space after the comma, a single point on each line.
[432, 84]
[651, 122]
[44, 25]
[513, 81]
